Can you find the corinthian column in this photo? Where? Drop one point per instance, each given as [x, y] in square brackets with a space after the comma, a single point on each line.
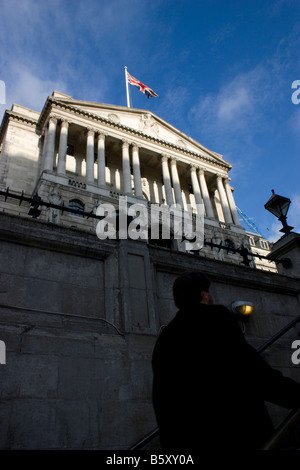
[224, 201]
[50, 144]
[90, 156]
[205, 194]
[137, 171]
[195, 184]
[126, 168]
[232, 205]
[167, 180]
[62, 151]
[176, 183]
[101, 160]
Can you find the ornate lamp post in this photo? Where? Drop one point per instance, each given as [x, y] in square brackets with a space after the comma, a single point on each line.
[279, 206]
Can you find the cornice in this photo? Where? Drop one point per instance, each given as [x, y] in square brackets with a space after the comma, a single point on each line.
[13, 116]
[52, 102]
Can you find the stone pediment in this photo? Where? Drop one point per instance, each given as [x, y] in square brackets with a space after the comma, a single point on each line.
[139, 120]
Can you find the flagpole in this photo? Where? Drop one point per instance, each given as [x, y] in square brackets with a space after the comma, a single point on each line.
[127, 89]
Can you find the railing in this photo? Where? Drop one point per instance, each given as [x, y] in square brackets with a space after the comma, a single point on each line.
[283, 429]
[36, 203]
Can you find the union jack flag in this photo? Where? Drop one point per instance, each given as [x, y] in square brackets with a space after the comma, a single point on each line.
[143, 88]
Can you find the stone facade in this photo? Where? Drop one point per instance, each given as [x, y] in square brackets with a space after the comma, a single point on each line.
[79, 316]
[75, 152]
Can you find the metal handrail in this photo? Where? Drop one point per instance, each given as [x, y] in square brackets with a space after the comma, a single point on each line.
[278, 335]
[148, 438]
[282, 429]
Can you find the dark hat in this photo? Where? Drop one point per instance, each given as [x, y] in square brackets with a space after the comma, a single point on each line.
[187, 288]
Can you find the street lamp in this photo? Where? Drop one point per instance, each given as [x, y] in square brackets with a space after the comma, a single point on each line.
[279, 206]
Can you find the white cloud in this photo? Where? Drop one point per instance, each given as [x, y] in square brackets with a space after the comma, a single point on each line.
[234, 104]
[28, 89]
[237, 104]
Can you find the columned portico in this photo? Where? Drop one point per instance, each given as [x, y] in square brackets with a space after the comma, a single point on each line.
[232, 205]
[136, 171]
[174, 175]
[50, 144]
[126, 168]
[90, 156]
[167, 180]
[62, 150]
[101, 160]
[176, 183]
[195, 184]
[205, 194]
[224, 201]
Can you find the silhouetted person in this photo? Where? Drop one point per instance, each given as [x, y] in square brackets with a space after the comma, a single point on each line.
[209, 384]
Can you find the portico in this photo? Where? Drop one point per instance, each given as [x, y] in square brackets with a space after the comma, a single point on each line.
[106, 159]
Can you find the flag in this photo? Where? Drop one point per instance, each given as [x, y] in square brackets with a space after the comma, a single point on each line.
[144, 89]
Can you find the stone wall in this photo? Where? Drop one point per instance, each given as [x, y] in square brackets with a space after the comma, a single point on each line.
[80, 317]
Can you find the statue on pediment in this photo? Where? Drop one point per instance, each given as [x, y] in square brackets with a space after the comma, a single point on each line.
[148, 125]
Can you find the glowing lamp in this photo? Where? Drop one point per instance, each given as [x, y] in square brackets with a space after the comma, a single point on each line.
[242, 307]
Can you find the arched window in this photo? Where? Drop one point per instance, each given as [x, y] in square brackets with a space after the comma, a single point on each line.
[76, 205]
[229, 245]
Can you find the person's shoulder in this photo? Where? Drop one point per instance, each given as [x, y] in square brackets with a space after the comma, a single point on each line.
[216, 310]
[221, 315]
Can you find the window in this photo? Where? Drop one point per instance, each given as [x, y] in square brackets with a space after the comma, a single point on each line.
[76, 205]
[251, 241]
[70, 150]
[264, 244]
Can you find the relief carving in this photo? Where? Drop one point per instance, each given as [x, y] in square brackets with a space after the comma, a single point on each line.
[114, 117]
[148, 125]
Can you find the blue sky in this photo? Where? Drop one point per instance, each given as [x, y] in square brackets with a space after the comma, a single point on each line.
[223, 70]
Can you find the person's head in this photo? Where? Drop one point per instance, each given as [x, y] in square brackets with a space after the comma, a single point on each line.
[191, 289]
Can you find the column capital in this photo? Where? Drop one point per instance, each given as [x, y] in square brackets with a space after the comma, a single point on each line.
[53, 118]
[90, 131]
[125, 143]
[136, 146]
[165, 157]
[64, 122]
[201, 171]
[100, 133]
[193, 167]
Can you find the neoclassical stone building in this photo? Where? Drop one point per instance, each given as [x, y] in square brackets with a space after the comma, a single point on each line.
[79, 316]
[81, 154]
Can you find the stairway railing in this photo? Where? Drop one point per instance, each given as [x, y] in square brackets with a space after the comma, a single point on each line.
[286, 426]
[283, 430]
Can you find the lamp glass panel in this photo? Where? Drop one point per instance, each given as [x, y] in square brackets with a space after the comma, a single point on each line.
[279, 206]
